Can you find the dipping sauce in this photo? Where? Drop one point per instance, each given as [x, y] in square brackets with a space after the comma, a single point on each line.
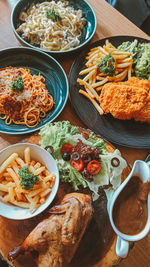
[130, 210]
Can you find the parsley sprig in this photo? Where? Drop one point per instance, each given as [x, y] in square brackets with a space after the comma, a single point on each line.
[27, 179]
[54, 16]
[18, 84]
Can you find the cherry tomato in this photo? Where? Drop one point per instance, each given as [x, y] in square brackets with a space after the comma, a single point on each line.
[78, 164]
[93, 167]
[67, 148]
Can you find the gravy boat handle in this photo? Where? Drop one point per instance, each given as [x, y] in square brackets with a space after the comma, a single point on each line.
[122, 247]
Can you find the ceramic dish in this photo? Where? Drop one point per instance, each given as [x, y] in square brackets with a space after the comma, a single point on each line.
[55, 78]
[87, 32]
[127, 133]
[38, 154]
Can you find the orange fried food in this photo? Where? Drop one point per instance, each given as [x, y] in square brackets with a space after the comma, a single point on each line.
[144, 114]
[127, 100]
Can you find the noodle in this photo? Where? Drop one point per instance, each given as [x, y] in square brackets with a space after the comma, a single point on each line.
[25, 107]
[38, 29]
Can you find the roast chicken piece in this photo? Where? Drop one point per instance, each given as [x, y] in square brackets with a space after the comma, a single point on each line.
[55, 240]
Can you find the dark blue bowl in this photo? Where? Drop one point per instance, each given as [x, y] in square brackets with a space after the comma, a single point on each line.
[87, 33]
[55, 79]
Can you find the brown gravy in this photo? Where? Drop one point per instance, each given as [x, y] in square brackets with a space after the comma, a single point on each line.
[130, 209]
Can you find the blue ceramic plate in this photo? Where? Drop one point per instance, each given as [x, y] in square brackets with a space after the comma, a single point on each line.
[87, 33]
[55, 78]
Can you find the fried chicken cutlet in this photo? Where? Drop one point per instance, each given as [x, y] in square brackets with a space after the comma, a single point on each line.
[127, 100]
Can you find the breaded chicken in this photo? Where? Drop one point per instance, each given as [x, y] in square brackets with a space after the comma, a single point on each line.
[127, 100]
[144, 114]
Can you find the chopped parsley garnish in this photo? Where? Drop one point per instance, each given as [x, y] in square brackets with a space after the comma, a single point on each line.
[106, 65]
[27, 179]
[54, 16]
[18, 84]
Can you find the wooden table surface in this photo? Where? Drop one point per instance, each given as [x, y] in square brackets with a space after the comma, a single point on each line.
[109, 23]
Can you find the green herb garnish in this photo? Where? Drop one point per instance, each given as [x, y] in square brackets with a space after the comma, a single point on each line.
[106, 65]
[54, 16]
[27, 179]
[18, 84]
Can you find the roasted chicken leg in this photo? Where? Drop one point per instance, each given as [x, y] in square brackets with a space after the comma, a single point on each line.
[56, 239]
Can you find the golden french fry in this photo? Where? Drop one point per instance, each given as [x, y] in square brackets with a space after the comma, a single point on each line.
[13, 175]
[18, 194]
[8, 161]
[35, 192]
[49, 178]
[37, 165]
[46, 192]
[11, 194]
[94, 85]
[39, 170]
[20, 161]
[27, 155]
[123, 65]
[86, 85]
[3, 188]
[97, 106]
[87, 77]
[20, 204]
[119, 52]
[86, 70]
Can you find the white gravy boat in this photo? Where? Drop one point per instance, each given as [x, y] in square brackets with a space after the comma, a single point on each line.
[141, 169]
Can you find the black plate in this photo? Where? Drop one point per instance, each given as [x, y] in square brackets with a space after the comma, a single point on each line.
[127, 133]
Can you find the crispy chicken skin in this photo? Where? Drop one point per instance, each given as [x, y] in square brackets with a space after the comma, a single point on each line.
[127, 100]
[56, 239]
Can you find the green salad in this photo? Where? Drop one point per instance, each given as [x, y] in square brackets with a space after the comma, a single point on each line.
[82, 162]
[141, 57]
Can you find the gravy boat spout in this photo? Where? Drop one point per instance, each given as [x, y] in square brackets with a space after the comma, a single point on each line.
[142, 170]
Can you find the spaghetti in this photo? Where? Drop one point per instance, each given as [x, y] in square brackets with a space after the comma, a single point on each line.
[27, 106]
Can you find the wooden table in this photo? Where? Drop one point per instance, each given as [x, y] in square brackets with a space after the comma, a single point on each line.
[109, 23]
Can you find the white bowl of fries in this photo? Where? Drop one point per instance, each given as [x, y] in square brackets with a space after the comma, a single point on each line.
[29, 180]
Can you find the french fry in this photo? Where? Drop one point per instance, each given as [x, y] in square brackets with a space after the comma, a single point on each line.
[8, 161]
[27, 155]
[39, 170]
[88, 86]
[94, 85]
[87, 77]
[82, 72]
[37, 165]
[13, 175]
[20, 204]
[20, 161]
[97, 106]
[46, 192]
